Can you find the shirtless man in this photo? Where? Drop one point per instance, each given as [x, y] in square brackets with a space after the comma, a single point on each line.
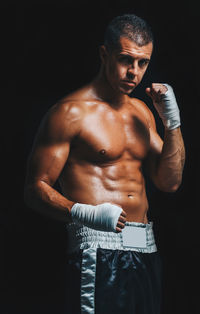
[95, 142]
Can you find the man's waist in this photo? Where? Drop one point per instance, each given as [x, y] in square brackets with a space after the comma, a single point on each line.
[139, 237]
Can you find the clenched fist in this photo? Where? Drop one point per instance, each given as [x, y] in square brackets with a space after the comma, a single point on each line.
[165, 103]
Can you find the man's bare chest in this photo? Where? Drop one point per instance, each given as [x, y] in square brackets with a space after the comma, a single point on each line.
[107, 136]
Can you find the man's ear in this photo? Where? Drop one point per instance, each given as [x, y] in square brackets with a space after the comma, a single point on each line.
[103, 53]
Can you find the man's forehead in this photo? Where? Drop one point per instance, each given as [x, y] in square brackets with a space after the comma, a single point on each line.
[130, 47]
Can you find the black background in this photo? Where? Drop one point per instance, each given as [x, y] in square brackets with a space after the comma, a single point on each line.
[50, 49]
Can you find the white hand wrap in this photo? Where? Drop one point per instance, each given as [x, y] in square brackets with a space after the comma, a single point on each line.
[100, 217]
[168, 109]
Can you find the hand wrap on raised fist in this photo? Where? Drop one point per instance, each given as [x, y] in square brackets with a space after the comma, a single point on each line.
[167, 108]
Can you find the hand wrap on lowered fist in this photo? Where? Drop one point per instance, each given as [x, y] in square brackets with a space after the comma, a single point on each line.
[104, 217]
[165, 103]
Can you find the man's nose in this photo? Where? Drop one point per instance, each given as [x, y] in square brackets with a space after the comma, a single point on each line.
[133, 70]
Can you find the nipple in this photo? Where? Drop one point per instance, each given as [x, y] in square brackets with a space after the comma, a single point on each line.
[102, 152]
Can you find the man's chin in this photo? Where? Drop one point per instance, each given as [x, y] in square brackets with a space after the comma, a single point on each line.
[127, 91]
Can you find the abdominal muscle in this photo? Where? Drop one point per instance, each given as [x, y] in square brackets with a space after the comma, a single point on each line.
[120, 183]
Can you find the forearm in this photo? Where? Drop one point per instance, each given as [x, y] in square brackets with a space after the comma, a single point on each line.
[171, 161]
[47, 201]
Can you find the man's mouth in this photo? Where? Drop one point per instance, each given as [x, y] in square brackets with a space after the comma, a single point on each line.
[129, 83]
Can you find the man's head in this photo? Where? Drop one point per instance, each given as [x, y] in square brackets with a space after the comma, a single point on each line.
[129, 26]
[126, 52]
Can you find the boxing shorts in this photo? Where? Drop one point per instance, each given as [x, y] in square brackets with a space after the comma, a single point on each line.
[110, 272]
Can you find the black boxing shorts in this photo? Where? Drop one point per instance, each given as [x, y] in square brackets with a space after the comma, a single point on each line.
[111, 272]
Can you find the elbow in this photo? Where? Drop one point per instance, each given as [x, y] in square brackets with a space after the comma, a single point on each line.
[176, 186]
[171, 189]
[168, 187]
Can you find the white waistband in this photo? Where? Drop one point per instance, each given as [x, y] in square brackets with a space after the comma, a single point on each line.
[82, 237]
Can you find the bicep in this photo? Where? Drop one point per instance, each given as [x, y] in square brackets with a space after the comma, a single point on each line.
[51, 146]
[46, 162]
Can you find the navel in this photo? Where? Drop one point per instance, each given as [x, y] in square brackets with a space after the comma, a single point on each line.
[130, 195]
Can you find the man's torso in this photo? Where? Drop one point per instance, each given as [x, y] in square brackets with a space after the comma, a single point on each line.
[105, 159]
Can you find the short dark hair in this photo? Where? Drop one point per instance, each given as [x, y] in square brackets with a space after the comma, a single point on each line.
[130, 26]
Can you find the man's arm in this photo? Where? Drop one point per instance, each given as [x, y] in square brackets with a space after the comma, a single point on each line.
[166, 158]
[47, 159]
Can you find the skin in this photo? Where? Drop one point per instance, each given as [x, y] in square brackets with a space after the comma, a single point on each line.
[96, 140]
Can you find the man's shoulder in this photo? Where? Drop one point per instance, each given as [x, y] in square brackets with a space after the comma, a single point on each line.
[142, 108]
[139, 104]
[78, 102]
[65, 116]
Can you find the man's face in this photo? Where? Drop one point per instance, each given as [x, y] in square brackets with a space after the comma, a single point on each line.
[126, 65]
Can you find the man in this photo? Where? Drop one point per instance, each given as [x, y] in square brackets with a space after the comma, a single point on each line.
[95, 142]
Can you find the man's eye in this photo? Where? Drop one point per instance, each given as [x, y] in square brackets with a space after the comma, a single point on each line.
[143, 62]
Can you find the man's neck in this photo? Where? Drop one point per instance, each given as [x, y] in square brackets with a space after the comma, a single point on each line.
[105, 92]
